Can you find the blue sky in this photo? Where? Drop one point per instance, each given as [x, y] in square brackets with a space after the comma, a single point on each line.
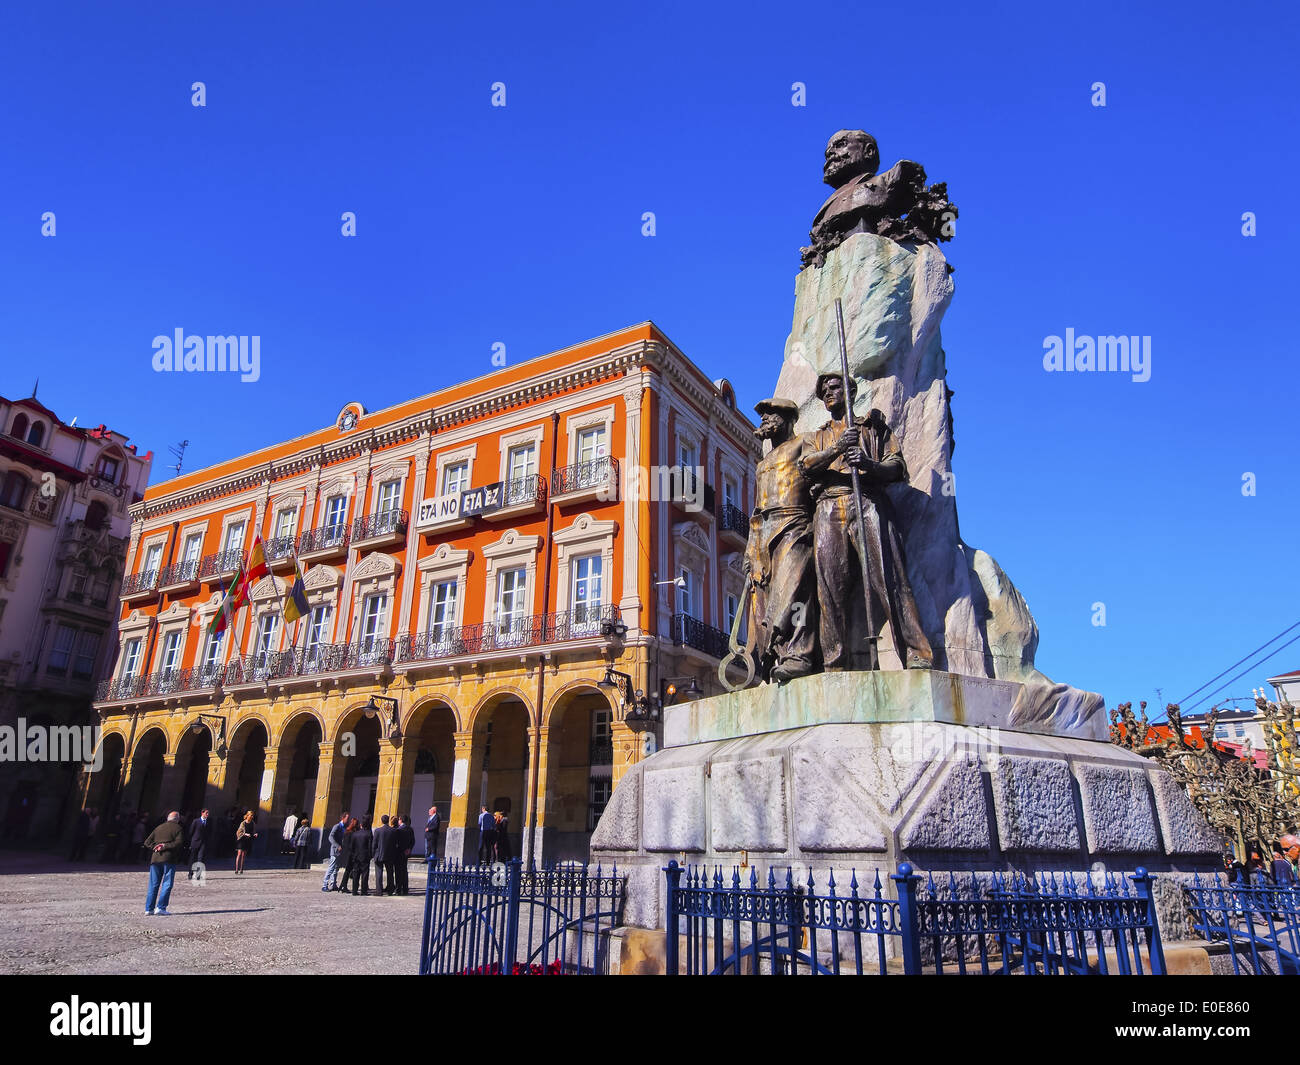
[522, 225]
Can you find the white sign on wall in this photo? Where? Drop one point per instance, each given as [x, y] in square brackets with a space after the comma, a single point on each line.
[443, 508]
[265, 793]
[459, 776]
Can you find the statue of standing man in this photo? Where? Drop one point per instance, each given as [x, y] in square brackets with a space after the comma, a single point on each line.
[779, 555]
[848, 639]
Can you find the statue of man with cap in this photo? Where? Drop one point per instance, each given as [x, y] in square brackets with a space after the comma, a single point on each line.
[848, 630]
[779, 555]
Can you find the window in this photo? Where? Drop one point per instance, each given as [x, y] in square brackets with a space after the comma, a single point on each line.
[730, 492]
[442, 610]
[686, 594]
[36, 434]
[587, 591]
[336, 511]
[591, 444]
[19, 427]
[388, 496]
[286, 522]
[96, 515]
[212, 658]
[600, 789]
[318, 630]
[5, 548]
[77, 586]
[64, 636]
[171, 655]
[601, 726]
[152, 560]
[131, 659]
[14, 494]
[106, 469]
[510, 603]
[192, 553]
[688, 459]
[266, 633]
[1239, 731]
[455, 478]
[99, 587]
[83, 664]
[373, 644]
[521, 465]
[235, 536]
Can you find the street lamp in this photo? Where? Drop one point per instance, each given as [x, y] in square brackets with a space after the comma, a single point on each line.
[392, 725]
[219, 746]
[636, 706]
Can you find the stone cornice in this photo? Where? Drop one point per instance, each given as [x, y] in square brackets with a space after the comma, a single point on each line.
[643, 354]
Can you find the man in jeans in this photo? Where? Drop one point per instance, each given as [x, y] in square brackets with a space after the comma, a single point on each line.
[336, 845]
[163, 843]
[487, 835]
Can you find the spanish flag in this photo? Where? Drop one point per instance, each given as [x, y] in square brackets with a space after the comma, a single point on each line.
[295, 602]
[257, 567]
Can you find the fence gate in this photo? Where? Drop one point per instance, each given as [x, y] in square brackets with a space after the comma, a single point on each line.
[505, 919]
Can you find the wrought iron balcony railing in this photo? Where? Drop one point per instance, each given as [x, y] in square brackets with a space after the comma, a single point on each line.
[327, 536]
[601, 752]
[222, 562]
[530, 489]
[180, 573]
[597, 473]
[279, 548]
[446, 641]
[733, 520]
[692, 632]
[134, 583]
[380, 524]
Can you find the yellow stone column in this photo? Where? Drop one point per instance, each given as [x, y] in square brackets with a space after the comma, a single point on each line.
[386, 787]
[328, 807]
[627, 743]
[270, 821]
[173, 783]
[462, 826]
[541, 845]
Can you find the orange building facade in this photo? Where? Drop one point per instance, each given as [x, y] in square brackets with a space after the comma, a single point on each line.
[475, 561]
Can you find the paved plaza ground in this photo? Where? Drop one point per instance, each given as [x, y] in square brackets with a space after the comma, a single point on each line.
[89, 919]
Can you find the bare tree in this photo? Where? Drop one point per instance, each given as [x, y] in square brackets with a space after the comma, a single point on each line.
[1246, 804]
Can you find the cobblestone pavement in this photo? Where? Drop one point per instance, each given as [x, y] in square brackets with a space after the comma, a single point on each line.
[89, 919]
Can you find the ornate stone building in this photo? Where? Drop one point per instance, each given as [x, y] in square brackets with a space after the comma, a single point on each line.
[64, 495]
[482, 556]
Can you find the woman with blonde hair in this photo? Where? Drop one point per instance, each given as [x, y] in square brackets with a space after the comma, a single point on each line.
[244, 836]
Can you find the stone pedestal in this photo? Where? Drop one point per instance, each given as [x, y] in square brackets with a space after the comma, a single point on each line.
[859, 771]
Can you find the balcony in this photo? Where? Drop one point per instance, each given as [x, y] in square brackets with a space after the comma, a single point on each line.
[734, 525]
[180, 576]
[140, 585]
[523, 495]
[162, 683]
[325, 542]
[581, 623]
[265, 667]
[221, 565]
[597, 479]
[691, 632]
[279, 552]
[380, 530]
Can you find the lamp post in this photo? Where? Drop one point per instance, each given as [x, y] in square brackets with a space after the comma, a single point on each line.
[219, 744]
[392, 725]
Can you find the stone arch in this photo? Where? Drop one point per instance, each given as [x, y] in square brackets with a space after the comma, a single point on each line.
[147, 769]
[483, 708]
[105, 783]
[427, 761]
[421, 707]
[294, 718]
[579, 756]
[569, 688]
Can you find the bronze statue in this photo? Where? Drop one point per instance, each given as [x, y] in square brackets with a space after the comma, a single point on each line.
[779, 555]
[896, 204]
[849, 624]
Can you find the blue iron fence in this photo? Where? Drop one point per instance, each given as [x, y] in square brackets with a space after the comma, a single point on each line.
[510, 920]
[1013, 924]
[1260, 925]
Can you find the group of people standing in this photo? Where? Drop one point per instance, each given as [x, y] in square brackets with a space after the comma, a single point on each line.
[354, 845]
[1282, 871]
[493, 837]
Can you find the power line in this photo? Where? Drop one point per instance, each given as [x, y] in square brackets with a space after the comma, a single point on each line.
[1239, 661]
[1250, 668]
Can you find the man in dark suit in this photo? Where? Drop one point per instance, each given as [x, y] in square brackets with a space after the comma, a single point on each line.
[200, 833]
[384, 850]
[404, 843]
[431, 828]
[359, 855]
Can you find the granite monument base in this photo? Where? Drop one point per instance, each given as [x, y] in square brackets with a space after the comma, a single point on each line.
[856, 772]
